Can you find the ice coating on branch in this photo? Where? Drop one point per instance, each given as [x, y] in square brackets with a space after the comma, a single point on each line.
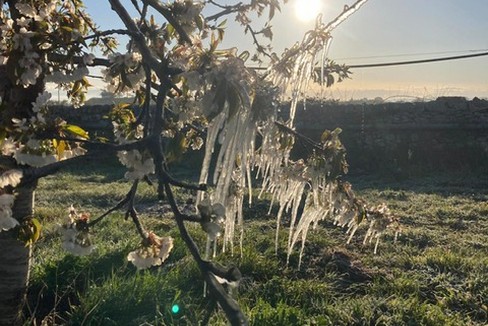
[233, 124]
[235, 111]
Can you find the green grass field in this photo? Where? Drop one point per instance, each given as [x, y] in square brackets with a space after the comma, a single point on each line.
[435, 274]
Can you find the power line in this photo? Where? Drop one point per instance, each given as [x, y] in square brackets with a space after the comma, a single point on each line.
[410, 54]
[411, 62]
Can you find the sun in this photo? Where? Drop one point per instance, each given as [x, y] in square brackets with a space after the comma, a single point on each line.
[307, 10]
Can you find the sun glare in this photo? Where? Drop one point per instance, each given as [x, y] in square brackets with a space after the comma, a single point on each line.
[307, 10]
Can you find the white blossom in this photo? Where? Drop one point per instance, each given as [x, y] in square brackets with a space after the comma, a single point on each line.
[41, 101]
[75, 236]
[88, 59]
[45, 11]
[26, 9]
[23, 22]
[8, 146]
[10, 178]
[7, 200]
[7, 222]
[143, 259]
[153, 254]
[20, 124]
[138, 165]
[34, 160]
[22, 39]
[70, 153]
[76, 242]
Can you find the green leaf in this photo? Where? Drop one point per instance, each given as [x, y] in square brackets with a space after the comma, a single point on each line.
[325, 136]
[222, 24]
[36, 226]
[77, 131]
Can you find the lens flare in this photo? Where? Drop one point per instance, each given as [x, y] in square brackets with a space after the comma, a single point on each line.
[175, 309]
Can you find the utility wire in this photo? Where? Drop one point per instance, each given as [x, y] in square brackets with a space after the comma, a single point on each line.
[412, 62]
[416, 54]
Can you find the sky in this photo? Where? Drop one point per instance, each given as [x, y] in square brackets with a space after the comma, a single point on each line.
[383, 31]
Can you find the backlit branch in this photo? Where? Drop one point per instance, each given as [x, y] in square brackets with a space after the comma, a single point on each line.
[170, 18]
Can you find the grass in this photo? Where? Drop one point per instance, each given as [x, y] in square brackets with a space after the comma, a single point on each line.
[435, 274]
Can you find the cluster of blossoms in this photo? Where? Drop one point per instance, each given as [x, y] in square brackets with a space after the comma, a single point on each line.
[9, 178]
[26, 149]
[76, 238]
[139, 163]
[154, 251]
[37, 21]
[187, 12]
[125, 72]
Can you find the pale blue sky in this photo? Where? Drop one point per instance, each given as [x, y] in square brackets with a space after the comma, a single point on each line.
[378, 32]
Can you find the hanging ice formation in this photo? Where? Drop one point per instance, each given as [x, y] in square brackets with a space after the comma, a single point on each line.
[230, 136]
[241, 107]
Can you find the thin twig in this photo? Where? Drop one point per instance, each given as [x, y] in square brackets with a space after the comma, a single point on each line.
[170, 18]
[107, 32]
[226, 10]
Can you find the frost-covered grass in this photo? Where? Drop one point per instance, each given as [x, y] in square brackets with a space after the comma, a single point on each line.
[436, 273]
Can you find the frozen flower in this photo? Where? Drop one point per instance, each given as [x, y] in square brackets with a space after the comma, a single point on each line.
[23, 22]
[212, 217]
[381, 219]
[7, 25]
[75, 235]
[10, 178]
[45, 11]
[138, 165]
[154, 251]
[7, 200]
[7, 222]
[70, 153]
[76, 242]
[88, 59]
[34, 160]
[8, 147]
[41, 101]
[26, 9]
[19, 124]
[22, 39]
[30, 75]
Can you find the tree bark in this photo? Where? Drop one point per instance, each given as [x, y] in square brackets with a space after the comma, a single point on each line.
[15, 262]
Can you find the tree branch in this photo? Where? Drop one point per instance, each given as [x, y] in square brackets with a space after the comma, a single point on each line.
[170, 18]
[32, 174]
[138, 37]
[107, 32]
[226, 10]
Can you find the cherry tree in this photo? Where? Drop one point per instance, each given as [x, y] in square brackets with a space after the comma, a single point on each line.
[191, 94]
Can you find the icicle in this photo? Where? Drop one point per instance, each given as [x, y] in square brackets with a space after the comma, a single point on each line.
[376, 245]
[207, 256]
[212, 133]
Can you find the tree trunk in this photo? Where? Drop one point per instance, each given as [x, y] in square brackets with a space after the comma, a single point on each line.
[15, 262]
